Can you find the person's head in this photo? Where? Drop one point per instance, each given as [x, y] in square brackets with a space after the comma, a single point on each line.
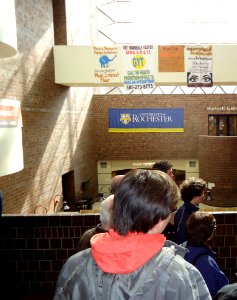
[193, 190]
[143, 199]
[106, 211]
[200, 228]
[115, 182]
[164, 166]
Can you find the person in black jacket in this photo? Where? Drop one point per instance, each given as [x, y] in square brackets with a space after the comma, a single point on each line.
[192, 193]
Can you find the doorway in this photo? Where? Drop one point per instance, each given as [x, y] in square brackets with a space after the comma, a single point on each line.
[68, 187]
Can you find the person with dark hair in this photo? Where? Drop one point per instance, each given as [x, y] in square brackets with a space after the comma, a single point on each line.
[132, 260]
[164, 166]
[200, 229]
[192, 193]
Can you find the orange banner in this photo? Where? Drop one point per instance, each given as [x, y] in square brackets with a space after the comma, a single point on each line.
[10, 113]
[171, 58]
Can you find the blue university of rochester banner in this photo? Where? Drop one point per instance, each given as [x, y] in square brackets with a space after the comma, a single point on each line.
[146, 120]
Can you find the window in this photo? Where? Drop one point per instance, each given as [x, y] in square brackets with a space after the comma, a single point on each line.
[192, 164]
[222, 125]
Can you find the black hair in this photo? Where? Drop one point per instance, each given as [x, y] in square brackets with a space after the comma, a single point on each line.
[142, 199]
[162, 165]
[192, 187]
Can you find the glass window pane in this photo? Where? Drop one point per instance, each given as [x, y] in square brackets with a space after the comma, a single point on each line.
[222, 125]
[233, 125]
[211, 125]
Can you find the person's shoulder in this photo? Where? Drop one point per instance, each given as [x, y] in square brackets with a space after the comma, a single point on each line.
[203, 253]
[89, 232]
[229, 291]
[70, 268]
[180, 209]
[175, 254]
[76, 260]
[178, 249]
[79, 256]
[182, 272]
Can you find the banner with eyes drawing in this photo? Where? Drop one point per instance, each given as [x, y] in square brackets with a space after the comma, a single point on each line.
[199, 66]
[138, 67]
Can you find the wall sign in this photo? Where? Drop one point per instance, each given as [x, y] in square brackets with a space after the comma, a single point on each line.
[139, 67]
[199, 66]
[146, 120]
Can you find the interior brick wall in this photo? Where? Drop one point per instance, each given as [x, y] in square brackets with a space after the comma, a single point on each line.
[218, 164]
[65, 129]
[152, 145]
[34, 248]
[217, 161]
[57, 120]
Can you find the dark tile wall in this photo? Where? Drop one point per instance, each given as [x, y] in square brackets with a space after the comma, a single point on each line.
[34, 248]
[224, 243]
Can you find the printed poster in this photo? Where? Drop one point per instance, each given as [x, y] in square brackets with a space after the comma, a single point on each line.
[106, 65]
[10, 113]
[146, 120]
[171, 58]
[139, 67]
[199, 66]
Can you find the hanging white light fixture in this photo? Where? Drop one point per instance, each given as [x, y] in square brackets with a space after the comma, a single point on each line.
[8, 36]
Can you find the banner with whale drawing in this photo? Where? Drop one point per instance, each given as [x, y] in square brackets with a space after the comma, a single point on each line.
[106, 64]
[139, 67]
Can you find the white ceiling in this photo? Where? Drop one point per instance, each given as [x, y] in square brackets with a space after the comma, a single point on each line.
[166, 22]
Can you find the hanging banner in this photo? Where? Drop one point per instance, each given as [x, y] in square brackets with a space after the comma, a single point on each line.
[10, 113]
[199, 66]
[146, 120]
[171, 58]
[106, 64]
[11, 150]
[139, 67]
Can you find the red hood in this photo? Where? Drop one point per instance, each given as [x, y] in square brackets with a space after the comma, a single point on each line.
[118, 254]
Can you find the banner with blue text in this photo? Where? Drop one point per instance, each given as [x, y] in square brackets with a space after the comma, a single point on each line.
[139, 70]
[146, 120]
